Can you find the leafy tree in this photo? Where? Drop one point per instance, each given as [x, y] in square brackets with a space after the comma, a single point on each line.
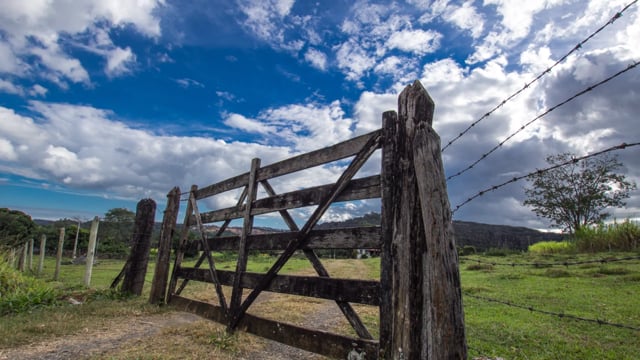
[15, 227]
[115, 231]
[576, 195]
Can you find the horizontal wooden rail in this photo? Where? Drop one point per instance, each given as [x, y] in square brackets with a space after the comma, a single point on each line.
[297, 163]
[354, 291]
[345, 238]
[316, 341]
[358, 189]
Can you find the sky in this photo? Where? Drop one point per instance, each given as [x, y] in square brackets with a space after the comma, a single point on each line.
[106, 102]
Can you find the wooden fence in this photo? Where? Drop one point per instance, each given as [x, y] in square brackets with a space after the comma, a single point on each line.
[418, 293]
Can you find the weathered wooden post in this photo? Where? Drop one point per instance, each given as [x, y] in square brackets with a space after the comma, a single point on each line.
[91, 250]
[136, 270]
[75, 242]
[30, 254]
[421, 315]
[161, 273]
[56, 274]
[43, 242]
[23, 257]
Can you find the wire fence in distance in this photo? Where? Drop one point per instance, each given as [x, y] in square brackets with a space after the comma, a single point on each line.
[558, 263]
[551, 313]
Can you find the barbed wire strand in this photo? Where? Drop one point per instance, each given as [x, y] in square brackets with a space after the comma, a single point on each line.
[543, 73]
[559, 263]
[560, 315]
[555, 107]
[541, 171]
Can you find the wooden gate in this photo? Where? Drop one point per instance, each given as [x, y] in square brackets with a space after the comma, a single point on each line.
[419, 291]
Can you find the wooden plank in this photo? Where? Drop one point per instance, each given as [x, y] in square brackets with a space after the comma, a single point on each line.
[316, 341]
[297, 163]
[344, 306]
[207, 251]
[346, 290]
[389, 170]
[359, 189]
[163, 260]
[184, 236]
[241, 264]
[346, 238]
[355, 165]
[219, 233]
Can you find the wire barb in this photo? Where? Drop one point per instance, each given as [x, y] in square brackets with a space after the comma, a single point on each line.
[542, 171]
[543, 73]
[551, 109]
[560, 315]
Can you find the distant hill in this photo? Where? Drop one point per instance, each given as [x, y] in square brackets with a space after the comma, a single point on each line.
[481, 236]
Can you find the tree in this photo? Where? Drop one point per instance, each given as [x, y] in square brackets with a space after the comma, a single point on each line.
[115, 231]
[16, 227]
[576, 195]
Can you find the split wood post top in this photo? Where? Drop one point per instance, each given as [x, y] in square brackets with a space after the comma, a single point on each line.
[421, 315]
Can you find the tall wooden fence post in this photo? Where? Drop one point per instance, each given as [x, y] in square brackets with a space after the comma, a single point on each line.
[161, 273]
[43, 243]
[30, 255]
[421, 315]
[136, 270]
[56, 274]
[23, 257]
[91, 250]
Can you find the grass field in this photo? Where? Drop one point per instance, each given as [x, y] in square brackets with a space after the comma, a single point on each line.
[609, 292]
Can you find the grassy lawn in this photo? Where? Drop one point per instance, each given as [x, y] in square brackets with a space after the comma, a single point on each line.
[609, 292]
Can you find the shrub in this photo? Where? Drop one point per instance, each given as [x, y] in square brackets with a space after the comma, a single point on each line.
[20, 293]
[552, 247]
[623, 236]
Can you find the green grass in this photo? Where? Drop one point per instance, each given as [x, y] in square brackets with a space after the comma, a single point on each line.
[597, 291]
[608, 292]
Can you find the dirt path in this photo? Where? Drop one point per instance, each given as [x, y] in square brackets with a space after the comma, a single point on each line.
[110, 337]
[94, 342]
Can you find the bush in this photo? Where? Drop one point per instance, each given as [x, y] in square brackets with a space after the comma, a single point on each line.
[552, 247]
[20, 293]
[623, 236]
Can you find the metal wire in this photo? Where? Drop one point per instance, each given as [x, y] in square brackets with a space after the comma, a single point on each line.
[517, 178]
[546, 71]
[559, 263]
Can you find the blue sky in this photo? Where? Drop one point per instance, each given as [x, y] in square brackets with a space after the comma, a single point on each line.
[106, 102]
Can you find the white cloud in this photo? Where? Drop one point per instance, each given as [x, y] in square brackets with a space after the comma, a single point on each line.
[187, 83]
[7, 153]
[316, 58]
[419, 42]
[303, 127]
[119, 61]
[38, 90]
[45, 28]
[264, 19]
[354, 60]
[9, 87]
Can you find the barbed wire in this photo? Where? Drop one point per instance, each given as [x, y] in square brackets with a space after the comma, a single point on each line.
[542, 171]
[575, 96]
[543, 73]
[559, 263]
[546, 312]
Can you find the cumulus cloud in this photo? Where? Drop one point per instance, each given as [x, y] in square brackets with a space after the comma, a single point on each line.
[316, 58]
[303, 127]
[419, 42]
[43, 30]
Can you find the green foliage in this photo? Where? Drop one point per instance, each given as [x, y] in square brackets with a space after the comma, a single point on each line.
[577, 194]
[16, 227]
[623, 236]
[466, 250]
[552, 247]
[20, 293]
